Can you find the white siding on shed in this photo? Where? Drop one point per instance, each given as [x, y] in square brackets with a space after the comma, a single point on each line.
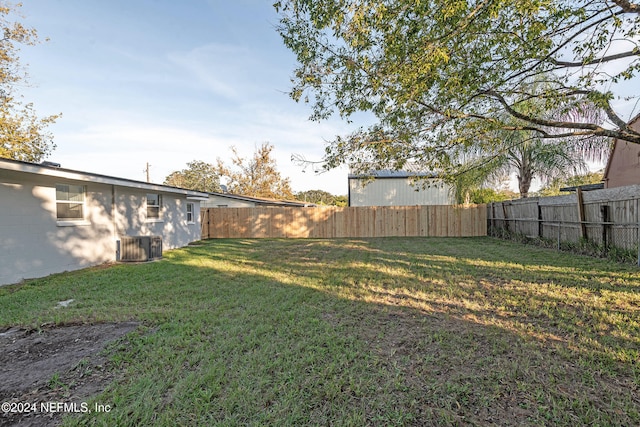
[399, 192]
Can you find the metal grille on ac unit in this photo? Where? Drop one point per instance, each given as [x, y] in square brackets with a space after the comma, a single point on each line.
[140, 248]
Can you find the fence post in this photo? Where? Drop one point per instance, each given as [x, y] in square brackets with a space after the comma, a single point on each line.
[504, 214]
[583, 226]
[604, 214]
[539, 219]
[494, 221]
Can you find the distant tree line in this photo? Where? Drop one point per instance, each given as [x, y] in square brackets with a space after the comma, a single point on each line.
[255, 176]
[321, 197]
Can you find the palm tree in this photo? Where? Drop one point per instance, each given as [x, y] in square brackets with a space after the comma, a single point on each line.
[529, 157]
[501, 152]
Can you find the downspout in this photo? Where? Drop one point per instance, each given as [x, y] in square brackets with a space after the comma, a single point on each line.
[113, 220]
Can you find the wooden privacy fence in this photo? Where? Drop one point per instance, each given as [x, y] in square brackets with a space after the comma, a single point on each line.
[336, 222]
[607, 217]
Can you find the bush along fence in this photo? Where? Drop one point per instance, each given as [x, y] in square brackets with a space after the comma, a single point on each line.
[598, 222]
[338, 222]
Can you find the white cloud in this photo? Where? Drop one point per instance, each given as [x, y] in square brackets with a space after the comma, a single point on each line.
[120, 144]
[218, 67]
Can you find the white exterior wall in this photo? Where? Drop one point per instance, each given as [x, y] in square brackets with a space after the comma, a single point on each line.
[34, 244]
[131, 217]
[399, 192]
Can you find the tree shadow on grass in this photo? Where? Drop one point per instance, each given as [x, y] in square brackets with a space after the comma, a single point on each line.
[360, 332]
[476, 344]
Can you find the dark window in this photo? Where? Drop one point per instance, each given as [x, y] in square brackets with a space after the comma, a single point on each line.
[154, 203]
[70, 202]
[190, 212]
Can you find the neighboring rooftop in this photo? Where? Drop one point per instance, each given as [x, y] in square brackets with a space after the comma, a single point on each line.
[54, 170]
[264, 201]
[388, 173]
[585, 187]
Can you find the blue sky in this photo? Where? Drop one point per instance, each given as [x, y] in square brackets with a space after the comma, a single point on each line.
[168, 82]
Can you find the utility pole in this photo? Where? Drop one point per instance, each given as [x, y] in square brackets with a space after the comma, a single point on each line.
[147, 171]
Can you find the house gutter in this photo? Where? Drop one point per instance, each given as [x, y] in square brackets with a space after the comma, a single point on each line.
[58, 172]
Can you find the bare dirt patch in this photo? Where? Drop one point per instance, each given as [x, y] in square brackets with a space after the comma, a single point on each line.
[57, 364]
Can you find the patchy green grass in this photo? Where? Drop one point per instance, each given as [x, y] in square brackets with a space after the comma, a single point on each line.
[396, 331]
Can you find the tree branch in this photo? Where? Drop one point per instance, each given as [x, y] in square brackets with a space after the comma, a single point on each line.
[627, 6]
[621, 55]
[624, 132]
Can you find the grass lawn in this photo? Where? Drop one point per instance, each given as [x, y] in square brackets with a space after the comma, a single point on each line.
[396, 331]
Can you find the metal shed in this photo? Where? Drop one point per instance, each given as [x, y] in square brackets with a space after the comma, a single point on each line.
[398, 188]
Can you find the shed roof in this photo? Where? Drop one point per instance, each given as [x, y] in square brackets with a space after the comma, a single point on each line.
[388, 174]
[59, 172]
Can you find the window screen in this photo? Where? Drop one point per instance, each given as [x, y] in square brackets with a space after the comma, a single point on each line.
[190, 212]
[154, 202]
[70, 201]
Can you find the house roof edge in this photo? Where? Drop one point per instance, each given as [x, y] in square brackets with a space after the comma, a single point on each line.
[59, 172]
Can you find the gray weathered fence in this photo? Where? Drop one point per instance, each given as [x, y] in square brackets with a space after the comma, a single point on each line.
[605, 219]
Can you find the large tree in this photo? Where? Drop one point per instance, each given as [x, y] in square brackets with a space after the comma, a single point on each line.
[23, 135]
[257, 176]
[442, 73]
[199, 176]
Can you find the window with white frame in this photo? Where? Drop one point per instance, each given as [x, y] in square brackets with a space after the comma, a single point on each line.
[70, 202]
[190, 210]
[154, 205]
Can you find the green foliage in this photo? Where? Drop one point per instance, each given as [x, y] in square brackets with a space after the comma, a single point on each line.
[582, 247]
[487, 195]
[341, 200]
[444, 75]
[23, 136]
[553, 189]
[321, 197]
[525, 154]
[198, 175]
[257, 176]
[527, 158]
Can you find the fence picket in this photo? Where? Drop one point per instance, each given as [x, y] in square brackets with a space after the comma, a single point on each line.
[574, 220]
[339, 222]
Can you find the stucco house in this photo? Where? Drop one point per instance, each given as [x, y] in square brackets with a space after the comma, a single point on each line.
[398, 188]
[54, 219]
[623, 165]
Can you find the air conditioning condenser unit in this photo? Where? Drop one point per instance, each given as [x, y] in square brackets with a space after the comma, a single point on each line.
[139, 248]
